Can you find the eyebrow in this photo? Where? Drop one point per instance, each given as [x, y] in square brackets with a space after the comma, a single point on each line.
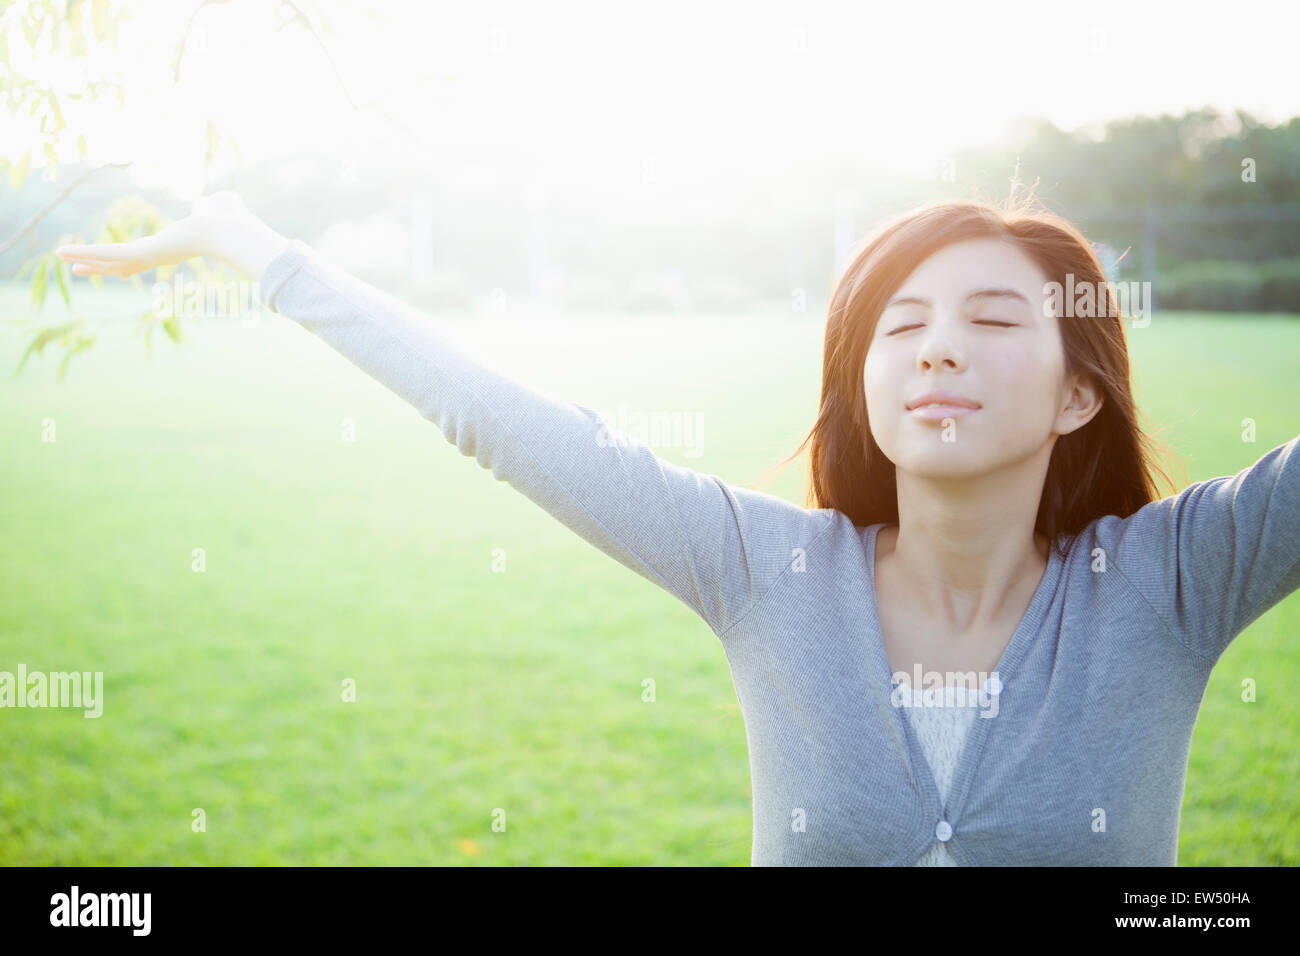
[990, 293]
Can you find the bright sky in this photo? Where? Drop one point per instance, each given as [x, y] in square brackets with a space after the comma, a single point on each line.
[685, 83]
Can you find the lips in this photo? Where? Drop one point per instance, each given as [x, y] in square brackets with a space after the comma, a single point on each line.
[942, 397]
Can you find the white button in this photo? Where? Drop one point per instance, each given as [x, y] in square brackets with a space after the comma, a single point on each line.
[943, 831]
[993, 686]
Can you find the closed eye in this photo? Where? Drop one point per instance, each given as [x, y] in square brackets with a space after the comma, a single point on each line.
[914, 325]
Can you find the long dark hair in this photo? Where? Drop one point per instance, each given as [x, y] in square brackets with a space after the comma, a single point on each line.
[1107, 467]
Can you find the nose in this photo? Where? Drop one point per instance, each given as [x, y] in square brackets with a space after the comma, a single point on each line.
[939, 347]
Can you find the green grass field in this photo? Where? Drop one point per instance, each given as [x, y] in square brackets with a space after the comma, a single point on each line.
[371, 560]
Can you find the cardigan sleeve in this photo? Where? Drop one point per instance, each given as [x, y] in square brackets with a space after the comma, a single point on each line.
[715, 547]
[1213, 558]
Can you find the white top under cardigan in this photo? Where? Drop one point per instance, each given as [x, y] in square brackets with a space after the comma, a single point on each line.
[941, 730]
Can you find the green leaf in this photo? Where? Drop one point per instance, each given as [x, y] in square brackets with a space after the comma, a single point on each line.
[82, 343]
[17, 174]
[234, 144]
[213, 138]
[38, 284]
[44, 337]
[99, 18]
[172, 326]
[59, 266]
[23, 360]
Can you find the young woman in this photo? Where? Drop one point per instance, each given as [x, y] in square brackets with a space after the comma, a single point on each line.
[983, 519]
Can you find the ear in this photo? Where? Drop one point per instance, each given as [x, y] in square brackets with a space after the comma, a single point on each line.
[1081, 402]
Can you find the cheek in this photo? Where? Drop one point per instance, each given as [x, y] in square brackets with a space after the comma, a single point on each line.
[878, 369]
[878, 388]
[1026, 390]
[1029, 373]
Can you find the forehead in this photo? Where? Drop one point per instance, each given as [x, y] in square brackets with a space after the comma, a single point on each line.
[963, 265]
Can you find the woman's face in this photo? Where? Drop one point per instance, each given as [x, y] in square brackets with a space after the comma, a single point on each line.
[969, 320]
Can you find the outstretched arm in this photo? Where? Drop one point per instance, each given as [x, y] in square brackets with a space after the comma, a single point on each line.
[716, 548]
[1215, 557]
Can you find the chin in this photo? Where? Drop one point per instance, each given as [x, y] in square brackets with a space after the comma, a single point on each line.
[941, 461]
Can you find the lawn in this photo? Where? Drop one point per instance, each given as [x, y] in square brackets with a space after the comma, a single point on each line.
[371, 561]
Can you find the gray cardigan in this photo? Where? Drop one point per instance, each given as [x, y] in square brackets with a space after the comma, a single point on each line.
[1084, 758]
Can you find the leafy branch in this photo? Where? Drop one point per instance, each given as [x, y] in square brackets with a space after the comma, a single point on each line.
[61, 29]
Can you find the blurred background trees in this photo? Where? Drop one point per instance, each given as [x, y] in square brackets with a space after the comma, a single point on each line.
[1204, 205]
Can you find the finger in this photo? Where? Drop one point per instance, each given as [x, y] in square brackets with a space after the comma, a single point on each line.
[108, 252]
[107, 269]
[93, 261]
[85, 266]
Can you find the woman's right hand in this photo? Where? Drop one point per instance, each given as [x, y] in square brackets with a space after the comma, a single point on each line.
[219, 225]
